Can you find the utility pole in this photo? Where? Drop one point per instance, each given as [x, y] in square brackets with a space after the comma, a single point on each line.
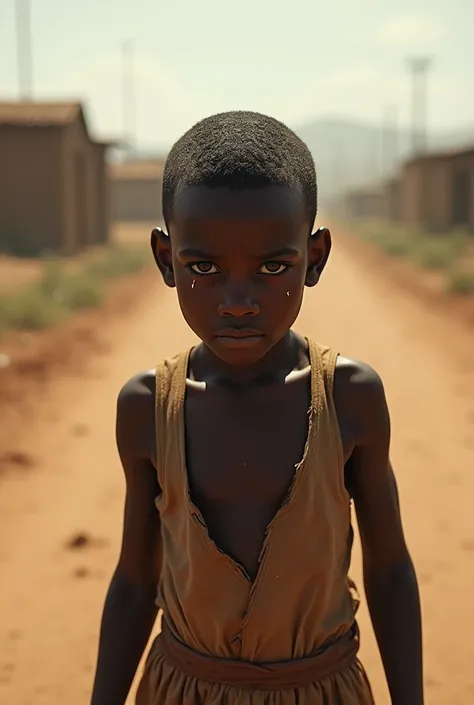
[339, 176]
[389, 146]
[395, 137]
[372, 164]
[24, 52]
[128, 97]
[419, 67]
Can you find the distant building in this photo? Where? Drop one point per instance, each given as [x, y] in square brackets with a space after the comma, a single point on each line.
[437, 191]
[392, 207]
[136, 190]
[365, 202]
[54, 191]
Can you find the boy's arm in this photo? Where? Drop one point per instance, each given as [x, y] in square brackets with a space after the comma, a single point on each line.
[389, 576]
[130, 612]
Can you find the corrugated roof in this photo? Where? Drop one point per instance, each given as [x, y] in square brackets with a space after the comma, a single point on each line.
[137, 170]
[36, 113]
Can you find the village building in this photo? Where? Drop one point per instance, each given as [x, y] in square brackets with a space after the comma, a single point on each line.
[54, 187]
[136, 190]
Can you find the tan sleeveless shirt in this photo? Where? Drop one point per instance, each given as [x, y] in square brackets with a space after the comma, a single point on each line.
[301, 598]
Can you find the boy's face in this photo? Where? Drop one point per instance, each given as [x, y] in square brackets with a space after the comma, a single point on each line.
[240, 261]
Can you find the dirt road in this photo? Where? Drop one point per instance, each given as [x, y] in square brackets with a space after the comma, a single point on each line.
[60, 520]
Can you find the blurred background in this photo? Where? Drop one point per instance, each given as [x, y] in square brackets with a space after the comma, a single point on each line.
[382, 96]
[90, 102]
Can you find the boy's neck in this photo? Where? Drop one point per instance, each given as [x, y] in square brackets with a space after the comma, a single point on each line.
[288, 355]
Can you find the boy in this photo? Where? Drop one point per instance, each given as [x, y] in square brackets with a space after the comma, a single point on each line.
[242, 455]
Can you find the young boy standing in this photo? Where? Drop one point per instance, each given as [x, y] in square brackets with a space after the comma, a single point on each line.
[242, 455]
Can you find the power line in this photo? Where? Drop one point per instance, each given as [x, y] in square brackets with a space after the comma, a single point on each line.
[24, 49]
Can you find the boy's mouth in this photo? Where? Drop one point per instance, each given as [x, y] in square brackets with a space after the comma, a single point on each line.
[239, 337]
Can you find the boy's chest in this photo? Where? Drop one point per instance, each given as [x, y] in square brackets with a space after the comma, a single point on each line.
[245, 447]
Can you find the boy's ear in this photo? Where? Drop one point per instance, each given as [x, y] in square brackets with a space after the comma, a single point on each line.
[161, 248]
[319, 247]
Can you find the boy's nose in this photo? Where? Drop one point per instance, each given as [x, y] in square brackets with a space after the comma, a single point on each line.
[238, 305]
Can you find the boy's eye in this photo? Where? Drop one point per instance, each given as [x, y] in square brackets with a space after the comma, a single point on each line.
[273, 268]
[203, 268]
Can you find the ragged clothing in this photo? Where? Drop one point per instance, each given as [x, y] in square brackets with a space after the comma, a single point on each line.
[287, 637]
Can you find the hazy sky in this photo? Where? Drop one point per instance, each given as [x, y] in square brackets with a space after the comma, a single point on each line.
[195, 57]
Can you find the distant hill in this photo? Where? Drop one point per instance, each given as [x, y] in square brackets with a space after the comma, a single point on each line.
[350, 153]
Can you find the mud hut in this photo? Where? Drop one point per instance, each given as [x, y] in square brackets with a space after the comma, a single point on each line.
[437, 191]
[136, 190]
[54, 191]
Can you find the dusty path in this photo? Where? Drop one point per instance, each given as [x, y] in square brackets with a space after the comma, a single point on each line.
[60, 521]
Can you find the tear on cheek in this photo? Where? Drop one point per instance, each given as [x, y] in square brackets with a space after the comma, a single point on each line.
[287, 293]
[193, 283]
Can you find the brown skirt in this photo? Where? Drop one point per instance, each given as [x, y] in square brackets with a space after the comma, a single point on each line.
[176, 675]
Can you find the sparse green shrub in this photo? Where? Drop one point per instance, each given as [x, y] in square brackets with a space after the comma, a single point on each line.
[58, 293]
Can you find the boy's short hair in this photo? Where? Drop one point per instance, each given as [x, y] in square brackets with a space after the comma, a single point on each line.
[241, 150]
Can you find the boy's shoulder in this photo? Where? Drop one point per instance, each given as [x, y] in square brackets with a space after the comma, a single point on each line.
[356, 376]
[359, 395]
[351, 375]
[135, 418]
[136, 398]
[141, 385]
[138, 393]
